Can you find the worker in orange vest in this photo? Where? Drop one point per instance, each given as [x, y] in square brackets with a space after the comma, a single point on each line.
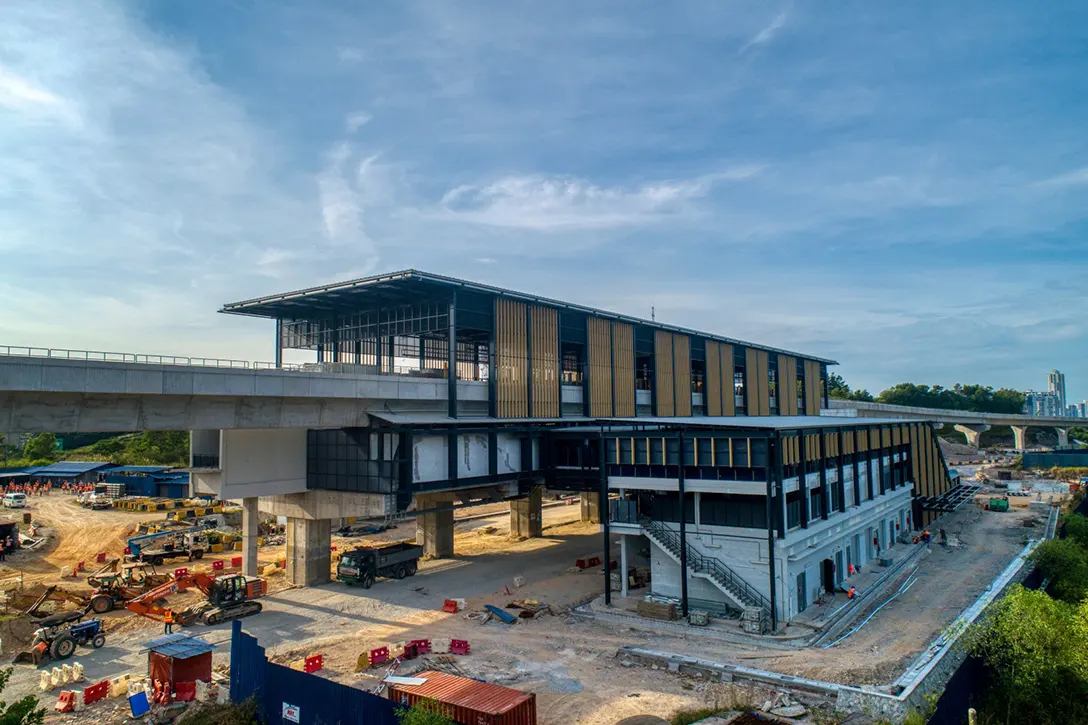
[852, 593]
[168, 622]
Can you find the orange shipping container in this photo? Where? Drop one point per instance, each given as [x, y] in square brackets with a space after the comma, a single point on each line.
[469, 702]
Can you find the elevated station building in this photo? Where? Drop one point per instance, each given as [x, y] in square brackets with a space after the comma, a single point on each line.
[712, 449]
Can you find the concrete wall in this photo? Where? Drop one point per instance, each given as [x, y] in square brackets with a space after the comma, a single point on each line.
[430, 456]
[665, 580]
[263, 462]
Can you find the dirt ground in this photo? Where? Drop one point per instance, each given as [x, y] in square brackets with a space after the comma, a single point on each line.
[567, 660]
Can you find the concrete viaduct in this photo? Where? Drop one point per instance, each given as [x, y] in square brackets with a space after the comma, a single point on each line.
[972, 425]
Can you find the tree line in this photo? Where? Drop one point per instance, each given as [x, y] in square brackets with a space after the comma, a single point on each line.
[973, 398]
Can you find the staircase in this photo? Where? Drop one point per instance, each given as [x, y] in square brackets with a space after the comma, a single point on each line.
[713, 569]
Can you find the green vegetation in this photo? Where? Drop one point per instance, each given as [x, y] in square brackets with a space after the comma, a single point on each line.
[1064, 563]
[244, 713]
[150, 448]
[424, 712]
[1078, 433]
[22, 712]
[975, 398]
[1037, 650]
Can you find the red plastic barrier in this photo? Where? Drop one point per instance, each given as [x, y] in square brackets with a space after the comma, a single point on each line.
[423, 646]
[410, 652]
[128, 550]
[236, 561]
[96, 692]
[79, 566]
[161, 693]
[450, 606]
[217, 565]
[182, 572]
[333, 547]
[314, 663]
[66, 702]
[184, 691]
[588, 563]
[378, 656]
[101, 557]
[459, 647]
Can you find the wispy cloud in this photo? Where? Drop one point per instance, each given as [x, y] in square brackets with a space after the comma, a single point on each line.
[356, 120]
[1070, 178]
[767, 34]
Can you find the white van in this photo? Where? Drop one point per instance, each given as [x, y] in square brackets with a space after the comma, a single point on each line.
[14, 500]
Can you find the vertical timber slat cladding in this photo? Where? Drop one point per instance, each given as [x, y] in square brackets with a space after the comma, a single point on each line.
[915, 460]
[759, 397]
[681, 360]
[510, 363]
[874, 439]
[666, 387]
[787, 385]
[623, 353]
[600, 367]
[729, 401]
[812, 387]
[885, 438]
[545, 362]
[713, 391]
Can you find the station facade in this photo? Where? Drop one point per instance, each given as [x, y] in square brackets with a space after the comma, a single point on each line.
[710, 450]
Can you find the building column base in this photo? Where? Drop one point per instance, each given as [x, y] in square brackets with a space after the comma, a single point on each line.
[309, 552]
[250, 520]
[434, 531]
[591, 507]
[526, 515]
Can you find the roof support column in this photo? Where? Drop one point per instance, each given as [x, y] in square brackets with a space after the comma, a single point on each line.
[779, 487]
[883, 466]
[840, 460]
[869, 464]
[279, 343]
[604, 513]
[857, 469]
[825, 502]
[802, 479]
[776, 444]
[681, 479]
[451, 362]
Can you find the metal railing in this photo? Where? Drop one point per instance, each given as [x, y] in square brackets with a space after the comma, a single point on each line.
[205, 460]
[137, 358]
[713, 567]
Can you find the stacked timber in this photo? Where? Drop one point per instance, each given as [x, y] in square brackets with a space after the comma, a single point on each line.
[654, 609]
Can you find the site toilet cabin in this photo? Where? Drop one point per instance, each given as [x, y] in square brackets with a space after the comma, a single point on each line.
[9, 528]
[178, 658]
[468, 701]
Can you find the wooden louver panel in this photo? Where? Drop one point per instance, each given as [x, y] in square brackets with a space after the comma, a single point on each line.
[544, 323]
[712, 391]
[600, 367]
[623, 358]
[812, 387]
[511, 368]
[725, 355]
[664, 379]
[681, 359]
[787, 385]
[758, 393]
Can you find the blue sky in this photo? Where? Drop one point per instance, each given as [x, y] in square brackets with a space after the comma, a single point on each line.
[900, 186]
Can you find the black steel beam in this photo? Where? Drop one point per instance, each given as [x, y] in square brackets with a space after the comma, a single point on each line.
[825, 503]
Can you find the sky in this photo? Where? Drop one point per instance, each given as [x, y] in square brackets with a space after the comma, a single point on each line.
[902, 187]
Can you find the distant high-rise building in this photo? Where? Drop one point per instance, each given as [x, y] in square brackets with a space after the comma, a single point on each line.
[1071, 411]
[1043, 404]
[1082, 409]
[1055, 383]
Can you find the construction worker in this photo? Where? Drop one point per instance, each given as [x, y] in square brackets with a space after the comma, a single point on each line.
[168, 622]
[851, 593]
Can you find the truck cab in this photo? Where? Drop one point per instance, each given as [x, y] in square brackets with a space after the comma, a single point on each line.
[364, 564]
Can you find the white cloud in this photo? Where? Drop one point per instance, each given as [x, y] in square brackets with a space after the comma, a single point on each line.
[549, 203]
[767, 34]
[356, 120]
[1070, 178]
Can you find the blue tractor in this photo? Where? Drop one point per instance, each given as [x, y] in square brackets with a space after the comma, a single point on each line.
[58, 635]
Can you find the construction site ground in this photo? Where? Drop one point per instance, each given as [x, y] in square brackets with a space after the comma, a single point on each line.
[567, 660]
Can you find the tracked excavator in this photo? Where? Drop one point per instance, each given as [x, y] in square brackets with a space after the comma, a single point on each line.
[228, 597]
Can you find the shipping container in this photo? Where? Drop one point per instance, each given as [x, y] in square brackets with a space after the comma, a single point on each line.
[467, 701]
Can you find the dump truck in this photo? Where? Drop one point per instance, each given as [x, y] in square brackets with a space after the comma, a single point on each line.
[363, 564]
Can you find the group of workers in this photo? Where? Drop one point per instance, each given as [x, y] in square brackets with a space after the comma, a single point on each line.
[34, 488]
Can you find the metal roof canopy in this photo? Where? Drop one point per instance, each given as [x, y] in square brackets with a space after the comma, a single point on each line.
[139, 469]
[763, 422]
[406, 285]
[181, 646]
[70, 467]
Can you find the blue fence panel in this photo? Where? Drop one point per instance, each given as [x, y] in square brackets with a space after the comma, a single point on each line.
[247, 665]
[1077, 459]
[321, 701]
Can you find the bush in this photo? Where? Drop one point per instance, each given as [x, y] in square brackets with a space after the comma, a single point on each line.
[1065, 563]
[1076, 529]
[425, 712]
[244, 713]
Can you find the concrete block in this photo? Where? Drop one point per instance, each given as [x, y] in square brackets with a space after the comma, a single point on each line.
[177, 382]
[296, 386]
[69, 378]
[102, 379]
[146, 382]
[269, 385]
[20, 376]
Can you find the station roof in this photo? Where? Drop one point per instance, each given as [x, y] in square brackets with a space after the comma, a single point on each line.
[409, 285]
[761, 422]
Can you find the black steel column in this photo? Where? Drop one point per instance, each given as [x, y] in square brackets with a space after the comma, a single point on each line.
[587, 377]
[825, 503]
[869, 463]
[279, 343]
[841, 461]
[882, 466]
[391, 348]
[378, 342]
[492, 382]
[775, 443]
[802, 479]
[451, 358]
[612, 361]
[681, 478]
[857, 469]
[602, 508]
[780, 488]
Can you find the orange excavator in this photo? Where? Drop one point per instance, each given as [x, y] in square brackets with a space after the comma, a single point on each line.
[228, 597]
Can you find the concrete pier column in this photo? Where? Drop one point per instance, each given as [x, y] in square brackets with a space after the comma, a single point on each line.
[591, 508]
[309, 556]
[1063, 437]
[973, 432]
[1020, 437]
[250, 518]
[526, 515]
[434, 531]
[623, 566]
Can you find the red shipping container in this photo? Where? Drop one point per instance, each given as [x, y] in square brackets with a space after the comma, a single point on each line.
[469, 701]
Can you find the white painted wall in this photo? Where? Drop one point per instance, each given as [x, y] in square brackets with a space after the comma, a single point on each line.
[265, 462]
[430, 459]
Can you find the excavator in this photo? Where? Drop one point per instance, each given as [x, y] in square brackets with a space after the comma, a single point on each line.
[228, 597]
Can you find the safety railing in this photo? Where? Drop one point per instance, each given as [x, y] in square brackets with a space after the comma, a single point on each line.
[127, 357]
[205, 460]
[709, 565]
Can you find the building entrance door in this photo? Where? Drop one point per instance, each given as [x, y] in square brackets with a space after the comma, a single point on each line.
[827, 575]
[802, 592]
